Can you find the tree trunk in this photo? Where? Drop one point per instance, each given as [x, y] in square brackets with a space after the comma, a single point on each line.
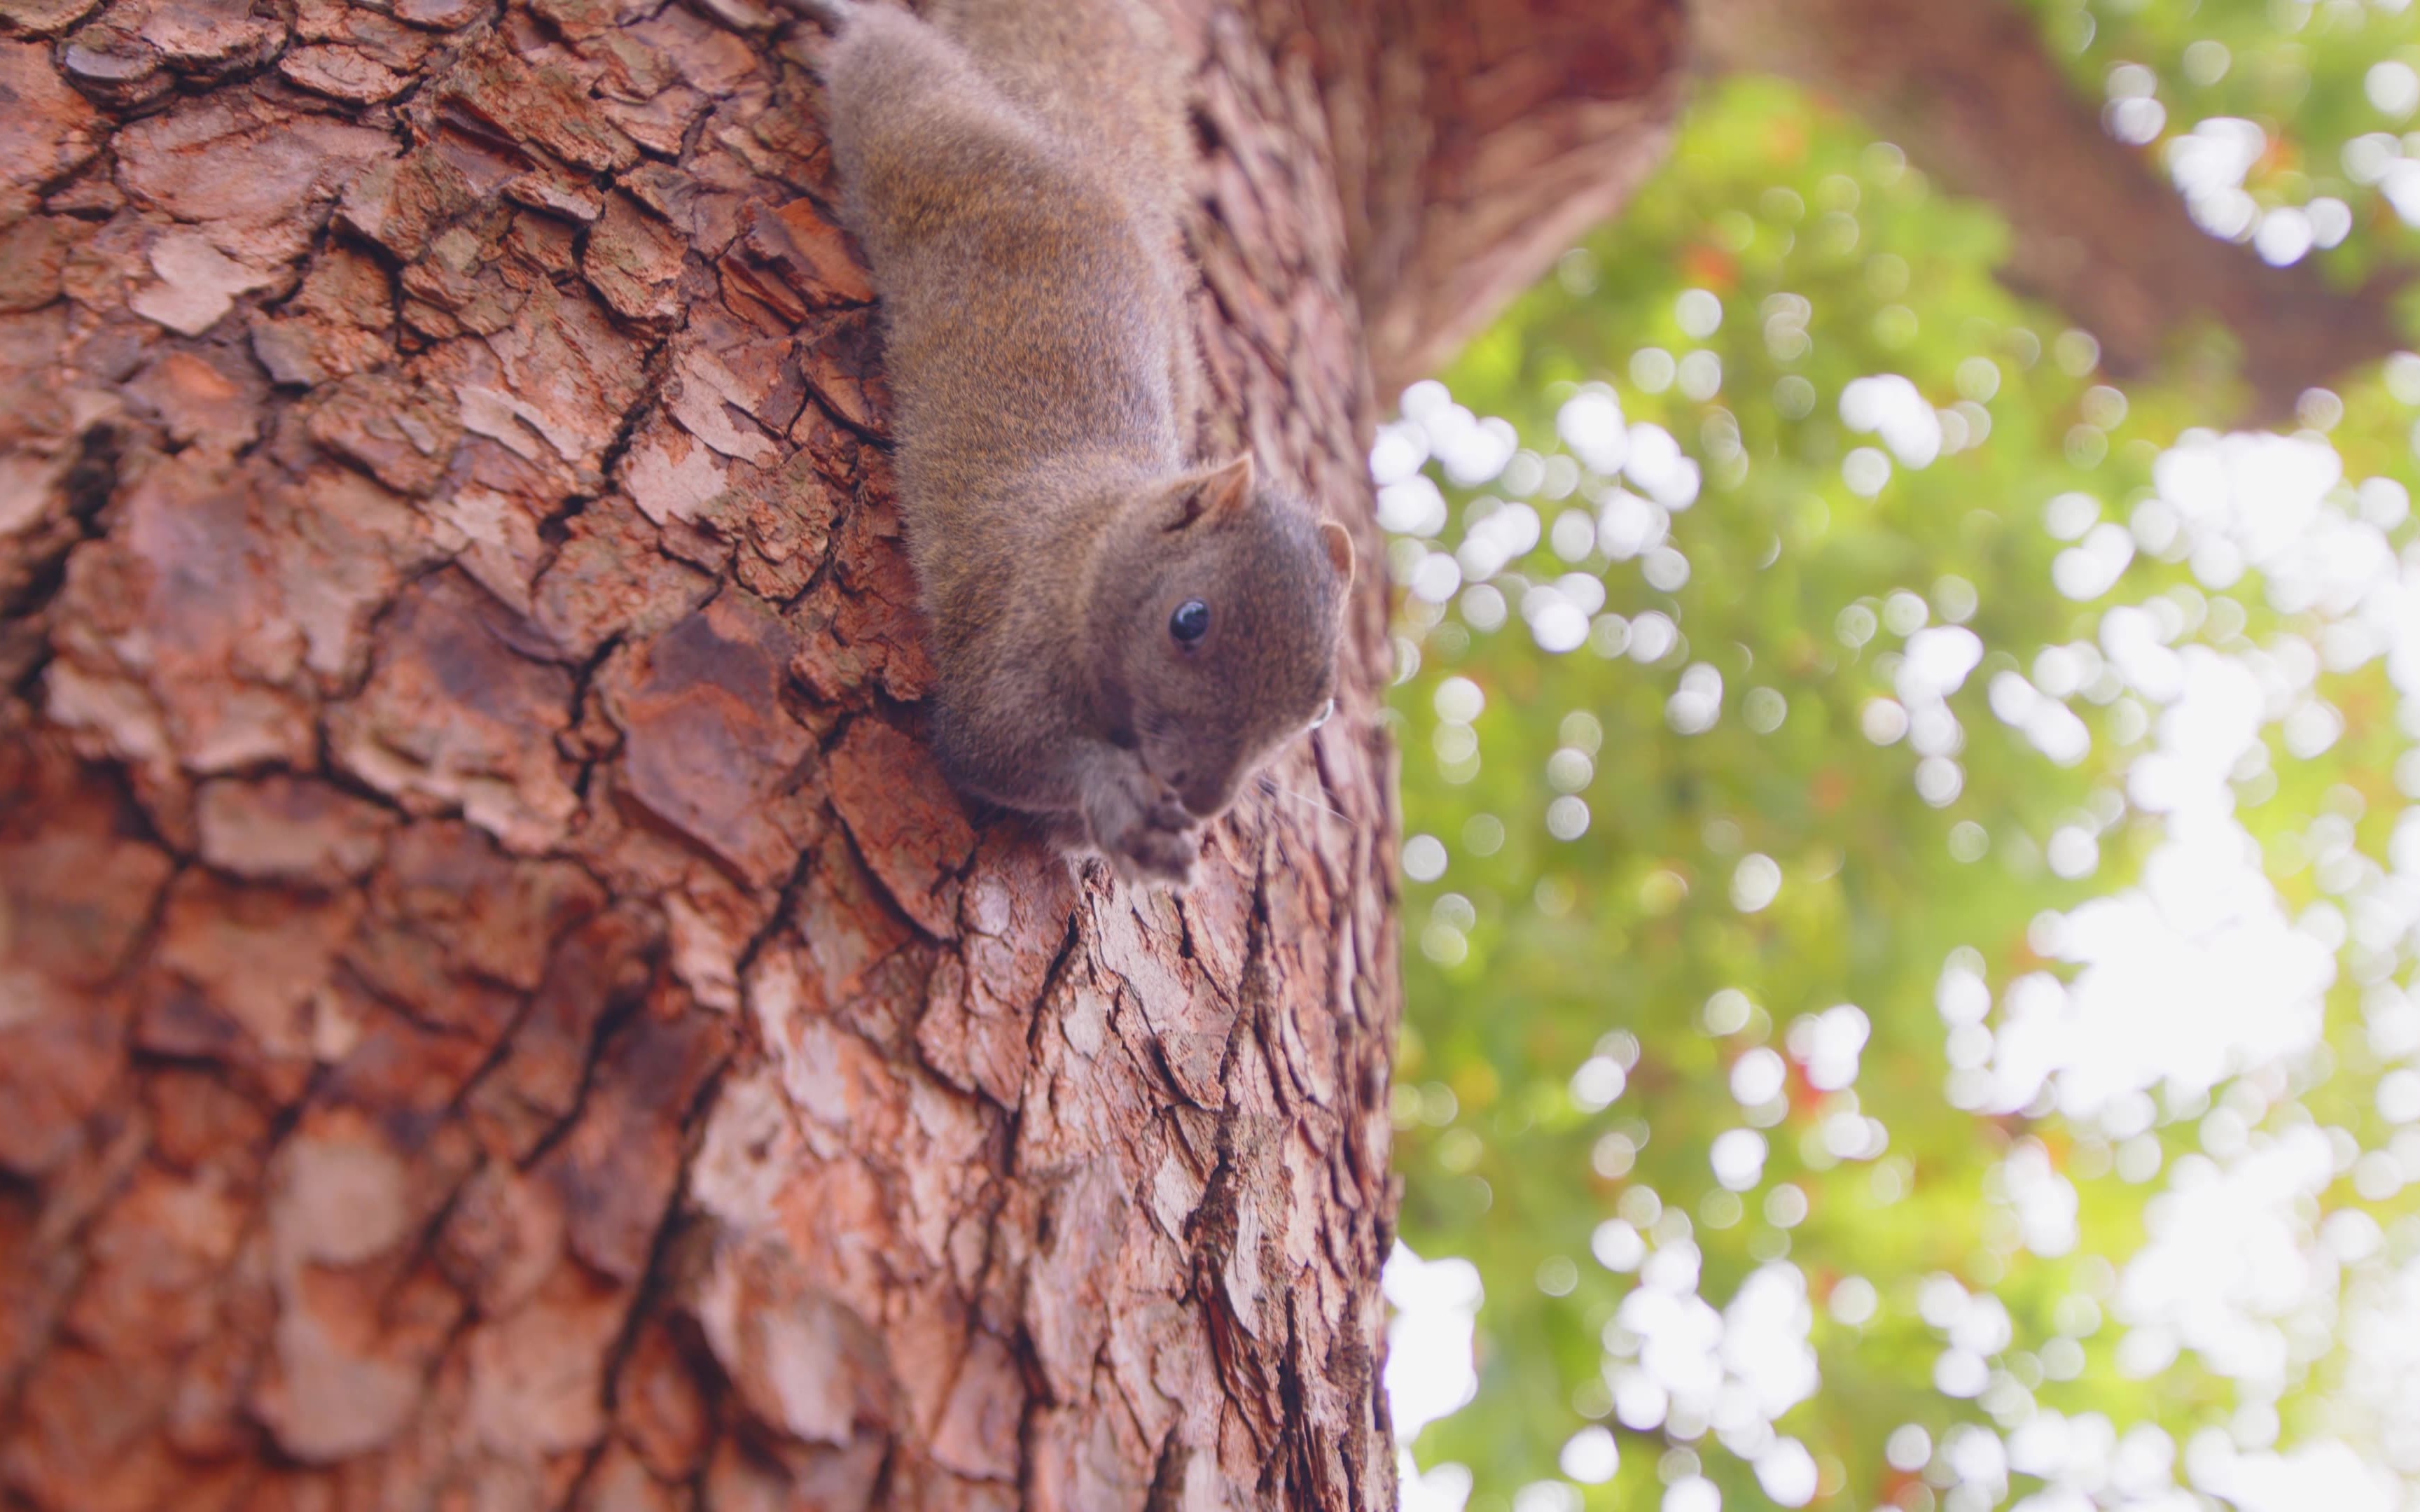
[497, 1008]
[1967, 87]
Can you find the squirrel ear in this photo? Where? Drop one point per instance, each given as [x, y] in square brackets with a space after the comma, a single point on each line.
[1227, 492]
[1216, 494]
[1339, 551]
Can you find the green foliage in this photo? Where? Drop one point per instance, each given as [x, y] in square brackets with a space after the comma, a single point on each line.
[1597, 831]
[2302, 71]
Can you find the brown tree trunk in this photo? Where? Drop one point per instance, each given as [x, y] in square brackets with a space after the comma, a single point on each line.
[497, 1009]
[1967, 87]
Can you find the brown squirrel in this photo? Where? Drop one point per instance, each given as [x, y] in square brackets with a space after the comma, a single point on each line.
[1123, 633]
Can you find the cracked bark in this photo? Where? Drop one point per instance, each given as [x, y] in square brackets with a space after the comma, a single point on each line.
[496, 1007]
[1968, 89]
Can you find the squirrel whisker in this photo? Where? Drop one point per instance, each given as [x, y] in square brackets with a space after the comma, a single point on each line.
[1269, 784]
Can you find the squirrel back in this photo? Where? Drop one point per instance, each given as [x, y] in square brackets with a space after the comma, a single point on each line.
[1122, 634]
[1102, 73]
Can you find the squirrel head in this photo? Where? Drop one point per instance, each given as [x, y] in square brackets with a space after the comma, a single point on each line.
[1216, 614]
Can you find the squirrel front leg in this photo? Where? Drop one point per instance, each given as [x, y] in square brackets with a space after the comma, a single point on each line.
[1132, 818]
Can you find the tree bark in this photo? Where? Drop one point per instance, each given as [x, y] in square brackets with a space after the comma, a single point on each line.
[497, 1008]
[1968, 89]
[1477, 142]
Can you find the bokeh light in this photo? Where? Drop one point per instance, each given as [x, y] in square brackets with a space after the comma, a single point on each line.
[1914, 876]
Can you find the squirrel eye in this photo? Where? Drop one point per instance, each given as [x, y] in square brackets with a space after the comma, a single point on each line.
[1190, 623]
[1326, 712]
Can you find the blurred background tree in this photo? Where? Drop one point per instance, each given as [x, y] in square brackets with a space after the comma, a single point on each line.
[1911, 894]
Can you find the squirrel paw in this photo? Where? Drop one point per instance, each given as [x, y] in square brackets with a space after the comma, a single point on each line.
[833, 14]
[1141, 827]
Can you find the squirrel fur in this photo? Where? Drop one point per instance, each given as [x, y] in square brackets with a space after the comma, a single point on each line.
[1123, 633]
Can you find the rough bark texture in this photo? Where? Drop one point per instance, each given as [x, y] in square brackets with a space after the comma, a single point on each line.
[1967, 89]
[497, 1009]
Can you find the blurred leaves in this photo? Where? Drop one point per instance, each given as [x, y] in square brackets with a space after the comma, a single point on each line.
[1708, 729]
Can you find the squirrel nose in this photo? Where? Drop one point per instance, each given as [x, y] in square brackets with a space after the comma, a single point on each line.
[1208, 797]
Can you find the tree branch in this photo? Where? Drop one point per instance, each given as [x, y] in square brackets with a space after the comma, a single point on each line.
[1476, 142]
[1966, 88]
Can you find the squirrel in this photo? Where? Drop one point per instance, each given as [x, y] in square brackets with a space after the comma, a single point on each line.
[1122, 633]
